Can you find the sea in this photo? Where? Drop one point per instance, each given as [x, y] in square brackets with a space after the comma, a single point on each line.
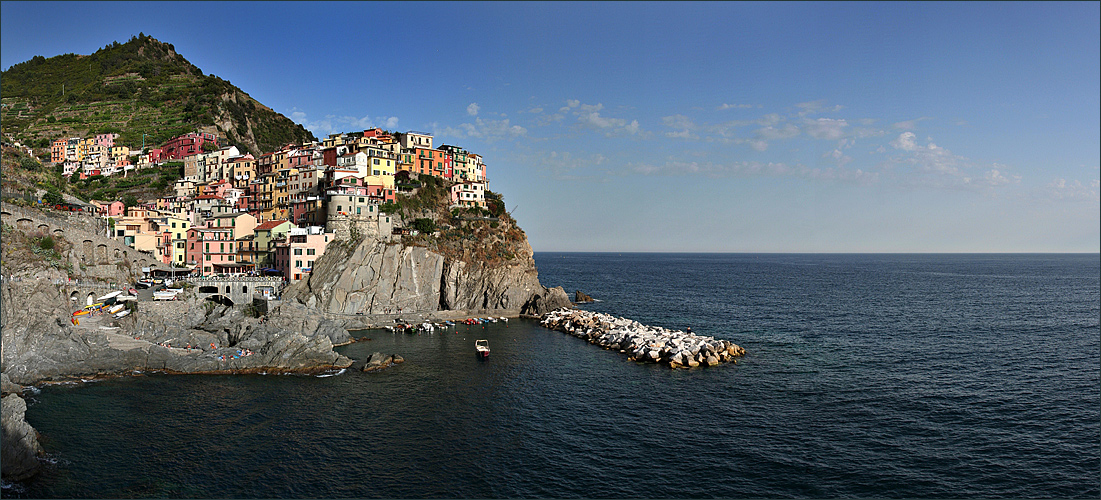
[865, 376]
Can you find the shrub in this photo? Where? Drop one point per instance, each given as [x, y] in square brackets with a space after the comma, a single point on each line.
[46, 243]
[426, 226]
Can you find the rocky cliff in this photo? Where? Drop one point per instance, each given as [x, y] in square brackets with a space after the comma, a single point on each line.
[21, 450]
[41, 344]
[375, 277]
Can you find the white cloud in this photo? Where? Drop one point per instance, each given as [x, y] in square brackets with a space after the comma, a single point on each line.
[905, 142]
[588, 115]
[910, 124]
[1074, 190]
[936, 166]
[753, 168]
[472, 109]
[838, 157]
[489, 130]
[535, 110]
[772, 133]
[825, 128]
[726, 106]
[758, 144]
[812, 107]
[679, 122]
[770, 120]
[332, 124]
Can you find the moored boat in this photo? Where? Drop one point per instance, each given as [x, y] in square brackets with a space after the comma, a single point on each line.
[481, 347]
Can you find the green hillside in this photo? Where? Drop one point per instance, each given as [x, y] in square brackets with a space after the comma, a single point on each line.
[141, 88]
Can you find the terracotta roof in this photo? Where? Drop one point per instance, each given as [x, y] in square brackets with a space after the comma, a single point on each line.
[208, 197]
[269, 225]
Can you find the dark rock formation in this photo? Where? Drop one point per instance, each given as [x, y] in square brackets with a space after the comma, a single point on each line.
[19, 456]
[547, 300]
[581, 298]
[378, 361]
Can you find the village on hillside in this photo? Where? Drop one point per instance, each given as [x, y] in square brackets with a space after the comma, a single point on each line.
[235, 214]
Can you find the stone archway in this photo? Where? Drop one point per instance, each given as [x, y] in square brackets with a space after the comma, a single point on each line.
[89, 256]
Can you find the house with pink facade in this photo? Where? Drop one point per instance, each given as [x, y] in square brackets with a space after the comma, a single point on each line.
[213, 251]
[296, 255]
[110, 209]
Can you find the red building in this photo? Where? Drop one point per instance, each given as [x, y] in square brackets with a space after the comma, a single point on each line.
[187, 145]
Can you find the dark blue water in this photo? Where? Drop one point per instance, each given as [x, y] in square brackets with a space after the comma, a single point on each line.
[866, 376]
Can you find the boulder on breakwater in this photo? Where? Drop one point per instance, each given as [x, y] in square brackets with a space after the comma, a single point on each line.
[643, 343]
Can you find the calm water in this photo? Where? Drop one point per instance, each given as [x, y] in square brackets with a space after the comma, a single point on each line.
[866, 376]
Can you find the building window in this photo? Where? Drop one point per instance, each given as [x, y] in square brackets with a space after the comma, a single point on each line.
[310, 251]
[298, 251]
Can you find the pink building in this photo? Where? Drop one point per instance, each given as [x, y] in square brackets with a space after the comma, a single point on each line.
[303, 246]
[106, 140]
[213, 251]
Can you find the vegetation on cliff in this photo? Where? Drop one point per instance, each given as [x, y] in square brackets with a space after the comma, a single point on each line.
[470, 234]
[138, 89]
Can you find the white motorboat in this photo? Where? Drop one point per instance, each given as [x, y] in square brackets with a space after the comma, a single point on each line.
[481, 347]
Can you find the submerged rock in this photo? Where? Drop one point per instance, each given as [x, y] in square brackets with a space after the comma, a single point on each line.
[581, 298]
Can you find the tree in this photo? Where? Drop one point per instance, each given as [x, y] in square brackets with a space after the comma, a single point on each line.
[425, 226]
[129, 200]
[52, 197]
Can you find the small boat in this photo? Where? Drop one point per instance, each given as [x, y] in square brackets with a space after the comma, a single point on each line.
[122, 313]
[81, 312]
[482, 348]
[164, 295]
[116, 308]
[105, 297]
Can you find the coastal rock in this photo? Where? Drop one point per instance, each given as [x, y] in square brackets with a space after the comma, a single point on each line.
[378, 361]
[373, 277]
[479, 288]
[19, 456]
[581, 298]
[545, 301]
[7, 386]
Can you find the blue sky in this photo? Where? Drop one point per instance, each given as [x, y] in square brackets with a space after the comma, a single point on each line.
[697, 127]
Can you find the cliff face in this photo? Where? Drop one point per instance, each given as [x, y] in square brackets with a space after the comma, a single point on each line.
[379, 278]
[373, 277]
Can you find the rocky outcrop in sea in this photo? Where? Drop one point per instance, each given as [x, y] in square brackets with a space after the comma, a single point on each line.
[674, 348]
[20, 452]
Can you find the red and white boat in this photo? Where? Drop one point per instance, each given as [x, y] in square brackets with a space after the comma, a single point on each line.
[482, 348]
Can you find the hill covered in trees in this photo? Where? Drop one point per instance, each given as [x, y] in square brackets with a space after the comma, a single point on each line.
[138, 89]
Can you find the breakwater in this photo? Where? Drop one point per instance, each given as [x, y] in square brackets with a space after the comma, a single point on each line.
[640, 342]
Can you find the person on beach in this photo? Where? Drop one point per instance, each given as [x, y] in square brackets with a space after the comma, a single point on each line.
[689, 330]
